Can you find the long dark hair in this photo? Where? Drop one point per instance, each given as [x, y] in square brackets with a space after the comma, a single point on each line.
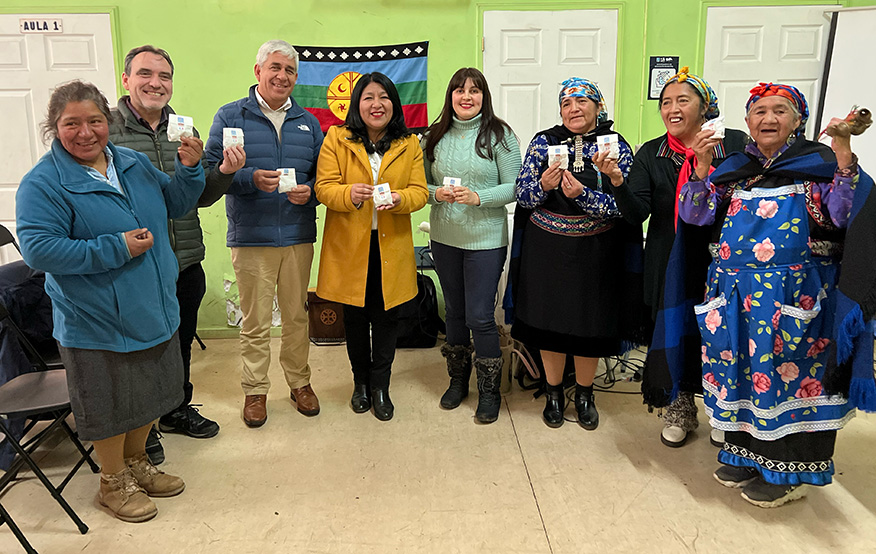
[492, 130]
[396, 127]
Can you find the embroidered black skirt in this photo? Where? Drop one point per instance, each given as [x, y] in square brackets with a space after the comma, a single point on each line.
[569, 290]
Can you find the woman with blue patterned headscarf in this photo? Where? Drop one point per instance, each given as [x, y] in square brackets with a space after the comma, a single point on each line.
[576, 265]
[673, 373]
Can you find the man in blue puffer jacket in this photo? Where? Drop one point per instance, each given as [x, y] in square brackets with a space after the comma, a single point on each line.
[271, 234]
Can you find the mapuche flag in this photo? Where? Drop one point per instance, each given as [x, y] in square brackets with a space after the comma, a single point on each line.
[326, 77]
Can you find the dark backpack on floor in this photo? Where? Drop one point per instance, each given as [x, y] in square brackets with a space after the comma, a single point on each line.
[418, 321]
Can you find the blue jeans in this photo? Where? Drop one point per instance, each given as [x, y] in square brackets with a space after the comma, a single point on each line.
[469, 279]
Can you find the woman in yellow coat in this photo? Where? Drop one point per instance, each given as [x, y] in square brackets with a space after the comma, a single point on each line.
[367, 258]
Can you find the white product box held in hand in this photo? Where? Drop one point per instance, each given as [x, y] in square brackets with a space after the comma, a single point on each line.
[288, 183]
[558, 153]
[382, 195]
[608, 143]
[450, 182]
[179, 126]
[231, 136]
[716, 126]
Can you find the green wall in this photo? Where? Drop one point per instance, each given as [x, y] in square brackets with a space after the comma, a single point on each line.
[213, 44]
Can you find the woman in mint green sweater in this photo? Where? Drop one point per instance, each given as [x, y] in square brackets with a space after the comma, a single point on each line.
[472, 159]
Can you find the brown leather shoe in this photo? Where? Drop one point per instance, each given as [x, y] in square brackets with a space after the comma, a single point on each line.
[305, 398]
[255, 413]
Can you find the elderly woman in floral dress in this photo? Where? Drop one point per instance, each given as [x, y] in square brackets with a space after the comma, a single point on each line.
[782, 207]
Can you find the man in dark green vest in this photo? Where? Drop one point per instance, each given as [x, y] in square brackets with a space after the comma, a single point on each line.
[140, 123]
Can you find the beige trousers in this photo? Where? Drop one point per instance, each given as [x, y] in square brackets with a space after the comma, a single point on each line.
[260, 271]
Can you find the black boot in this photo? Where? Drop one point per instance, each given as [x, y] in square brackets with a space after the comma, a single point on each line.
[489, 373]
[459, 368]
[555, 405]
[383, 408]
[588, 417]
[361, 401]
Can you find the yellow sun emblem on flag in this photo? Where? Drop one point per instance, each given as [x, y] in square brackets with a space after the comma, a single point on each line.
[338, 95]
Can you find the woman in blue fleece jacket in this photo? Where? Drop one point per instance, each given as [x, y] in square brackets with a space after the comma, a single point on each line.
[94, 218]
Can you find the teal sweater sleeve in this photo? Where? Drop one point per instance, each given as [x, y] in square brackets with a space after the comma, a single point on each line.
[507, 155]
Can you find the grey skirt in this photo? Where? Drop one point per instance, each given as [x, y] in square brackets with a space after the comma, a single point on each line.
[112, 393]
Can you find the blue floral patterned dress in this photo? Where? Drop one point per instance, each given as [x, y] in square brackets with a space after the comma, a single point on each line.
[767, 323]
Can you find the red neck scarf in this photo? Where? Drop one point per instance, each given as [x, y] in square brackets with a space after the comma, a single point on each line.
[687, 168]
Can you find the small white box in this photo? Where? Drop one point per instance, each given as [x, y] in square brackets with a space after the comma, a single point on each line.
[716, 125]
[288, 183]
[231, 136]
[558, 153]
[450, 182]
[608, 143]
[382, 195]
[179, 126]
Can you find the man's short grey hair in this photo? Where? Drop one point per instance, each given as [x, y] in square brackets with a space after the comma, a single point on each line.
[280, 46]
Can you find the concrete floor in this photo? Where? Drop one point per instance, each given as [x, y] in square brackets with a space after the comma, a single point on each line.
[434, 481]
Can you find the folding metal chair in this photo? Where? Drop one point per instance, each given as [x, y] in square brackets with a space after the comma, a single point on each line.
[37, 396]
[7, 238]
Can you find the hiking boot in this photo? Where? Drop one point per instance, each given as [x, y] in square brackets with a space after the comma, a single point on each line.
[152, 480]
[459, 368]
[188, 421]
[123, 496]
[766, 495]
[153, 446]
[489, 374]
[735, 477]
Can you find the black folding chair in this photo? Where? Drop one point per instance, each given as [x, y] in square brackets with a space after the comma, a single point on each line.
[7, 238]
[37, 396]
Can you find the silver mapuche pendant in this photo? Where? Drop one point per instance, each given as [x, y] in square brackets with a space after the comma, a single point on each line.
[578, 164]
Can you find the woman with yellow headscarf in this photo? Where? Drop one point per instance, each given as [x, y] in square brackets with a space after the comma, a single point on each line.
[673, 373]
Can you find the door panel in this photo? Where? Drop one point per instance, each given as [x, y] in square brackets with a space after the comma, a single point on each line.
[528, 54]
[31, 65]
[746, 45]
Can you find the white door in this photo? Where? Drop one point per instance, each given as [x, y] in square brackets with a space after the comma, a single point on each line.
[746, 45]
[31, 65]
[528, 54]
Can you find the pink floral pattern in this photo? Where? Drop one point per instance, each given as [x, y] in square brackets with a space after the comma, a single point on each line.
[735, 206]
[713, 320]
[761, 382]
[726, 355]
[818, 346]
[764, 251]
[746, 303]
[806, 302]
[788, 371]
[809, 388]
[722, 394]
[724, 251]
[752, 347]
[767, 208]
[705, 356]
[778, 345]
[710, 378]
